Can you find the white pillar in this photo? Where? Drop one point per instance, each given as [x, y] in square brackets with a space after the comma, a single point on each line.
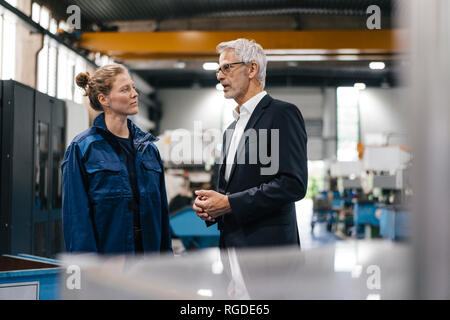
[428, 77]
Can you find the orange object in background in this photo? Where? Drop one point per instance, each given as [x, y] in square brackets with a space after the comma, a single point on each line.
[360, 148]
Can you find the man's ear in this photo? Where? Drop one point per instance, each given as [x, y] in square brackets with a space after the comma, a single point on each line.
[253, 71]
[103, 100]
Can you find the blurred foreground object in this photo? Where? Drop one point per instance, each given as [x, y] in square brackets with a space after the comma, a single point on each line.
[347, 270]
[428, 76]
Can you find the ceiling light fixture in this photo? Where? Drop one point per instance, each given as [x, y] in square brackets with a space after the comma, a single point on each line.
[377, 65]
[179, 65]
[359, 86]
[210, 66]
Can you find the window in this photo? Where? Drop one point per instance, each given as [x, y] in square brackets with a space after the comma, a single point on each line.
[35, 12]
[12, 2]
[53, 26]
[66, 73]
[80, 66]
[57, 65]
[62, 73]
[316, 178]
[70, 73]
[102, 60]
[52, 67]
[347, 123]
[43, 67]
[44, 18]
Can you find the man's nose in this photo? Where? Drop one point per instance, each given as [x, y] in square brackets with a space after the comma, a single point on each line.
[220, 75]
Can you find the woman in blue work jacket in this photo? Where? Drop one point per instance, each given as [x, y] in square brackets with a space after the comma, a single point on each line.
[114, 196]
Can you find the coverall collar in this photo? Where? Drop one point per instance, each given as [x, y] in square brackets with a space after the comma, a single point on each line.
[138, 135]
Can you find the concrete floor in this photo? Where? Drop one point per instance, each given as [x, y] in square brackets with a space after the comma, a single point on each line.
[320, 236]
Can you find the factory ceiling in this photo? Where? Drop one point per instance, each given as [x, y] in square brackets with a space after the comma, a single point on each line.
[104, 12]
[316, 42]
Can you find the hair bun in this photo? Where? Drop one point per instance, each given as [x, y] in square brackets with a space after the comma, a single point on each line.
[83, 79]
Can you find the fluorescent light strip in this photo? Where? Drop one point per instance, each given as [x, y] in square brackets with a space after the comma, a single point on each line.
[377, 65]
[210, 66]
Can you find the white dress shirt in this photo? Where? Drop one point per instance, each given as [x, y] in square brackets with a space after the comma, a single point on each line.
[242, 118]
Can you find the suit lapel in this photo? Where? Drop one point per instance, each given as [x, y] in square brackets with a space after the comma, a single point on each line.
[256, 115]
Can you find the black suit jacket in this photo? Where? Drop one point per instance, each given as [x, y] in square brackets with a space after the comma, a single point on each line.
[263, 202]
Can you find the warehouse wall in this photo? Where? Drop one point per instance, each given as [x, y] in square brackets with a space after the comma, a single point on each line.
[381, 113]
[181, 107]
[27, 47]
[382, 116]
[207, 105]
[315, 104]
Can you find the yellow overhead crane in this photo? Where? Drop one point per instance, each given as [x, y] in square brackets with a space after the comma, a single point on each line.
[202, 44]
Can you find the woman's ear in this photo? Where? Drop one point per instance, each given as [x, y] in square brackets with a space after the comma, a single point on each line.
[103, 100]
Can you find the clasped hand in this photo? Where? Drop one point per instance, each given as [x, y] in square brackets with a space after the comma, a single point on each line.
[210, 204]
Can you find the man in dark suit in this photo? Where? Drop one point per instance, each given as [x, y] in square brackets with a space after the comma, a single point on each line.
[264, 164]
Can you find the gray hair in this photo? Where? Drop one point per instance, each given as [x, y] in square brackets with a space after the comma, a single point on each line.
[247, 51]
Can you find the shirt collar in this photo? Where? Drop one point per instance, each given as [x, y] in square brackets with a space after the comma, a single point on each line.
[249, 105]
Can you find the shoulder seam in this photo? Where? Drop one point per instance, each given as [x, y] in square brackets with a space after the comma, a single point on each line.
[84, 143]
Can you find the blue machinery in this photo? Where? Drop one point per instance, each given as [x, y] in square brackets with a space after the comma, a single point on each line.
[392, 222]
[24, 276]
[322, 211]
[192, 230]
[395, 224]
[364, 215]
[325, 210]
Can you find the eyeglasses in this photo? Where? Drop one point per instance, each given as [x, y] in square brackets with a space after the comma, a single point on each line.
[226, 68]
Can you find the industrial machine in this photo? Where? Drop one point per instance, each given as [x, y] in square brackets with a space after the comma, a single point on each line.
[34, 136]
[193, 231]
[389, 171]
[347, 175]
[27, 277]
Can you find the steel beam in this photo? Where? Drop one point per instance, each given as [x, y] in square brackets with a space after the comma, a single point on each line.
[195, 44]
